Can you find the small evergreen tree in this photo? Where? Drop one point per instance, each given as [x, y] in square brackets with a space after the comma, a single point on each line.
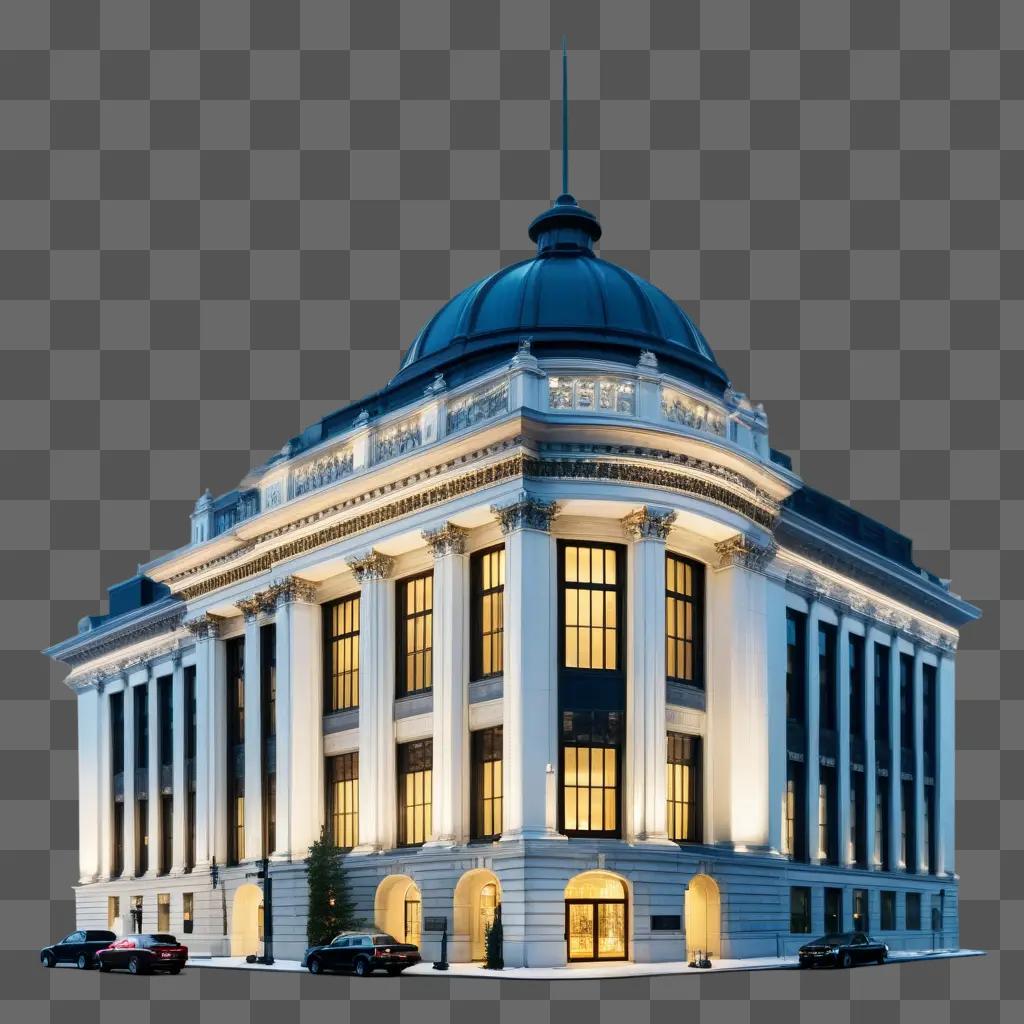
[494, 941]
[331, 907]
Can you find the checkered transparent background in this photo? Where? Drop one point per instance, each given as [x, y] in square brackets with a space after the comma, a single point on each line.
[218, 221]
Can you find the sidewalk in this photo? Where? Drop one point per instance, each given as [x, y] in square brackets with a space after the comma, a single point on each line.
[579, 971]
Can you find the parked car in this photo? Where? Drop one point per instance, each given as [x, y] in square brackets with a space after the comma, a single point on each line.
[362, 952]
[79, 948]
[843, 950]
[144, 954]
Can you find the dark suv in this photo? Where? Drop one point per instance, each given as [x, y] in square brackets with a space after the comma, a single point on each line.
[362, 952]
[79, 948]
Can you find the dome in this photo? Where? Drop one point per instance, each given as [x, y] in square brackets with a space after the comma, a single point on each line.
[567, 301]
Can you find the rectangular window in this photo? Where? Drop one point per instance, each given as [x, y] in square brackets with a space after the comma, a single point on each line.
[343, 799]
[882, 697]
[828, 851]
[799, 910]
[908, 815]
[881, 850]
[796, 665]
[684, 620]
[913, 911]
[142, 835]
[268, 727]
[858, 821]
[833, 911]
[235, 654]
[590, 596]
[888, 909]
[415, 665]
[826, 676]
[165, 708]
[117, 865]
[856, 651]
[415, 771]
[113, 911]
[487, 582]
[591, 745]
[341, 624]
[141, 696]
[486, 818]
[190, 767]
[235, 650]
[929, 829]
[117, 733]
[907, 702]
[188, 912]
[795, 832]
[684, 788]
[928, 712]
[861, 918]
[166, 833]
[163, 911]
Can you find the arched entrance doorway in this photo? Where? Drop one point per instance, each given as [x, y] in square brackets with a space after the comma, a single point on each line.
[703, 917]
[398, 908]
[246, 910]
[476, 899]
[596, 916]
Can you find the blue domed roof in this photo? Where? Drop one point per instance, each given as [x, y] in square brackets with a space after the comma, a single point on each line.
[568, 301]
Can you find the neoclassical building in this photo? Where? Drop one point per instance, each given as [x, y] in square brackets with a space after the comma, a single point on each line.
[546, 622]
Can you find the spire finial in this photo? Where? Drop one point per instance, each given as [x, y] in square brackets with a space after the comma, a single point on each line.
[565, 120]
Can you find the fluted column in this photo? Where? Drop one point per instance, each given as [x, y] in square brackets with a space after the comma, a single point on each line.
[89, 837]
[153, 774]
[896, 769]
[251, 608]
[920, 839]
[211, 740]
[647, 740]
[737, 691]
[129, 837]
[813, 766]
[530, 688]
[377, 780]
[945, 751]
[179, 723]
[450, 681]
[846, 855]
[106, 785]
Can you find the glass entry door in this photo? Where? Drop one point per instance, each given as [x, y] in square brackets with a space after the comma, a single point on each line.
[595, 929]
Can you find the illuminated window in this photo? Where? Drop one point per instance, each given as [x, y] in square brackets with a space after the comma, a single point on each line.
[163, 911]
[591, 606]
[684, 620]
[591, 743]
[415, 634]
[235, 651]
[238, 828]
[341, 622]
[343, 799]
[684, 787]
[488, 628]
[486, 821]
[415, 763]
[113, 911]
[187, 912]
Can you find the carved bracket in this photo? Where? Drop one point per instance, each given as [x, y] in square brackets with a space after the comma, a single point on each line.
[741, 550]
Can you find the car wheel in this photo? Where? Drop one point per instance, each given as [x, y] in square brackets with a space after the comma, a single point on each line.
[314, 966]
[134, 967]
[881, 958]
[48, 960]
[363, 968]
[846, 960]
[83, 962]
[105, 968]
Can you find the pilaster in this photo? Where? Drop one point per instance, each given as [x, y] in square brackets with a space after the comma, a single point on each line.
[251, 608]
[105, 784]
[89, 835]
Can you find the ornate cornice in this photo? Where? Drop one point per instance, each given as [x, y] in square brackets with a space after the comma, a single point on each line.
[371, 565]
[126, 636]
[205, 626]
[741, 550]
[649, 523]
[525, 513]
[446, 540]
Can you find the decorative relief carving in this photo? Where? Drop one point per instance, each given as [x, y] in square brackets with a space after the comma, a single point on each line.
[677, 407]
[292, 590]
[477, 406]
[322, 471]
[743, 551]
[398, 439]
[525, 513]
[371, 565]
[204, 627]
[446, 540]
[250, 607]
[592, 394]
[649, 523]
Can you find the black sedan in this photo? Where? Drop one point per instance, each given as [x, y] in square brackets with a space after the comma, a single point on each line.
[79, 948]
[362, 952]
[843, 950]
[144, 954]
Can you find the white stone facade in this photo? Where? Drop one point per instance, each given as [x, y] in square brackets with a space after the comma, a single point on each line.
[527, 455]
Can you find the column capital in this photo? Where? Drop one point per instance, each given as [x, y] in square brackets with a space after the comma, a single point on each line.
[371, 565]
[649, 523]
[251, 606]
[745, 552]
[525, 512]
[448, 539]
[205, 626]
[290, 590]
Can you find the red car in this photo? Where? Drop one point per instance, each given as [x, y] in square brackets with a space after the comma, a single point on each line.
[144, 954]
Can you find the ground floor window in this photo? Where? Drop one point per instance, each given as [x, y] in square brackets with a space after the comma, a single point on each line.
[595, 918]
[799, 909]
[913, 911]
[684, 788]
[591, 744]
[163, 911]
[861, 919]
[343, 799]
[187, 912]
[833, 911]
[137, 914]
[888, 911]
[113, 911]
[413, 915]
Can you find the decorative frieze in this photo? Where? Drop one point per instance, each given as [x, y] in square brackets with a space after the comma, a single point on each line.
[678, 407]
[398, 439]
[525, 513]
[127, 636]
[371, 565]
[446, 540]
[477, 407]
[743, 551]
[592, 394]
[321, 472]
[649, 523]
